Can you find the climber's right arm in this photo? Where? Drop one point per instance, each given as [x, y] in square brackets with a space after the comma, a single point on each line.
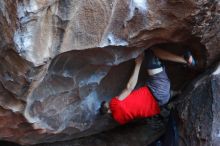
[133, 79]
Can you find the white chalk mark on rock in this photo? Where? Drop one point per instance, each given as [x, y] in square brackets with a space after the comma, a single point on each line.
[217, 71]
[140, 4]
[112, 40]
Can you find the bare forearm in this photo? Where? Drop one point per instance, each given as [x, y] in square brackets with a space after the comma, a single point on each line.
[124, 94]
[132, 81]
[164, 55]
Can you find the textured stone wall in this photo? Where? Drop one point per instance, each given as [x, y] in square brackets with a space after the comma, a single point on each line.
[198, 110]
[60, 58]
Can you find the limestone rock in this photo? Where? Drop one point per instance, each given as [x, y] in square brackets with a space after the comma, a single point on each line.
[60, 58]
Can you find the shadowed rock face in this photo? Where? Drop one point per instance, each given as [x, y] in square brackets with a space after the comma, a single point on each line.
[73, 87]
[138, 133]
[60, 58]
[198, 111]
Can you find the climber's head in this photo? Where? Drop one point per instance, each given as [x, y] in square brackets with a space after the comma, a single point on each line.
[104, 108]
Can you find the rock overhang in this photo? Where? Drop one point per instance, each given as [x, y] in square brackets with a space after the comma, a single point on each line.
[41, 33]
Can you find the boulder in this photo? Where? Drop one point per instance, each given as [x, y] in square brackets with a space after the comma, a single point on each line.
[197, 110]
[60, 58]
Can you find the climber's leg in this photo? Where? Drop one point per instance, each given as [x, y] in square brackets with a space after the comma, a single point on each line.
[157, 81]
[187, 58]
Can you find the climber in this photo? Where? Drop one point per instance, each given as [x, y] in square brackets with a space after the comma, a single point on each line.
[145, 101]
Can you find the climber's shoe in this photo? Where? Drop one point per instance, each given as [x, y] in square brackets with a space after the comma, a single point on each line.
[189, 59]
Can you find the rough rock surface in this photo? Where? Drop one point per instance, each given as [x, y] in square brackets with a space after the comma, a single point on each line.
[60, 58]
[198, 111]
[138, 133]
